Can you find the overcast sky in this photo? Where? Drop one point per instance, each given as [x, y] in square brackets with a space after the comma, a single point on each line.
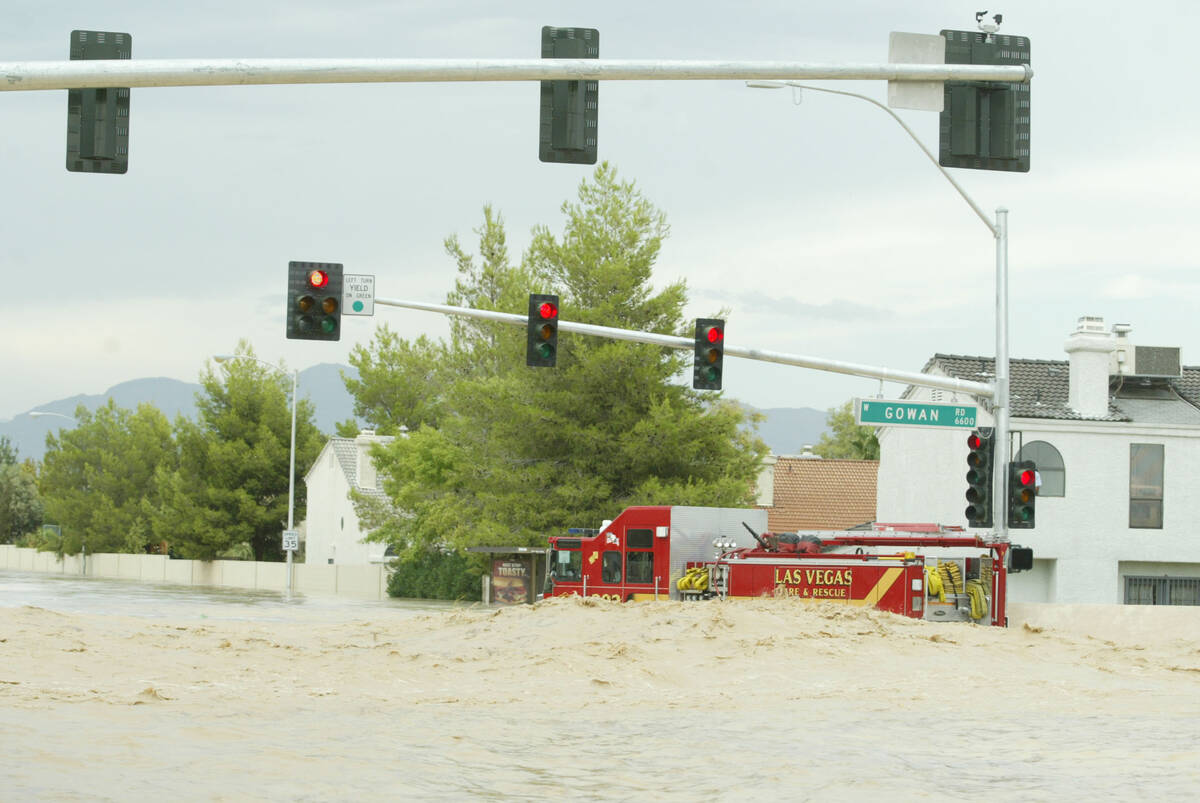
[820, 225]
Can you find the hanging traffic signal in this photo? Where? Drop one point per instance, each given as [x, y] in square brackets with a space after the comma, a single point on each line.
[710, 354]
[569, 109]
[981, 456]
[541, 348]
[1022, 494]
[985, 124]
[98, 119]
[314, 304]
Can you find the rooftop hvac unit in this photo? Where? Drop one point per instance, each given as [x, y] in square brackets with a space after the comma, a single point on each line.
[1160, 361]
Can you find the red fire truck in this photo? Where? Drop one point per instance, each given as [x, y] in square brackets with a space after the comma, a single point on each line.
[673, 552]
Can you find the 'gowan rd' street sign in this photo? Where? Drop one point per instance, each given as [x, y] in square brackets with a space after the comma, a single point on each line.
[885, 413]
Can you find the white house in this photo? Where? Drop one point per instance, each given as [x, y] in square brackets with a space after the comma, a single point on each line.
[1115, 433]
[332, 531]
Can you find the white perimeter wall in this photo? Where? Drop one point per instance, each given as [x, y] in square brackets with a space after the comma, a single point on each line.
[361, 582]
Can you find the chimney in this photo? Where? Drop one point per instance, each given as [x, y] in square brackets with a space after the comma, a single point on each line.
[364, 466]
[1090, 351]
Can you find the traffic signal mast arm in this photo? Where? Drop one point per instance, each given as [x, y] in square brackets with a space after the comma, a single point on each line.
[38, 75]
[687, 344]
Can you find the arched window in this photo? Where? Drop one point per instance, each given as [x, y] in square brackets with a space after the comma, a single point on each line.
[1049, 464]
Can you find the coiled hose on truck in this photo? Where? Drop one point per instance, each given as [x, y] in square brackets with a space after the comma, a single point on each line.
[978, 597]
[933, 583]
[952, 578]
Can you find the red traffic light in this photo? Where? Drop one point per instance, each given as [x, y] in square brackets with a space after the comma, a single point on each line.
[547, 310]
[714, 334]
[317, 278]
[1026, 477]
[974, 441]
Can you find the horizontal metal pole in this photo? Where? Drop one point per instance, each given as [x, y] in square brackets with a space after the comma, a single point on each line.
[85, 74]
[674, 342]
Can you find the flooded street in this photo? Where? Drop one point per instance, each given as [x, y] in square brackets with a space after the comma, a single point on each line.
[114, 691]
[109, 596]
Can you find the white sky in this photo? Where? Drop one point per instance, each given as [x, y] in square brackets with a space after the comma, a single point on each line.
[821, 225]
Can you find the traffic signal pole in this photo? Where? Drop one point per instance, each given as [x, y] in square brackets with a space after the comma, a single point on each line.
[18, 76]
[999, 390]
[688, 344]
[1000, 400]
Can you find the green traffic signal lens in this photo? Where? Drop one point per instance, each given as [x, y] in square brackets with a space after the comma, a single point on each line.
[545, 351]
[328, 325]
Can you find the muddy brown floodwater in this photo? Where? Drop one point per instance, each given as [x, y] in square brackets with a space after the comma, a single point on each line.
[581, 699]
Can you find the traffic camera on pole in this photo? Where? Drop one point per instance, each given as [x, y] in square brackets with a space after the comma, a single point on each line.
[314, 304]
[1022, 494]
[708, 364]
[541, 347]
[981, 456]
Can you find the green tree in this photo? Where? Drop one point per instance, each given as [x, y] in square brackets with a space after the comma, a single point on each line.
[847, 439]
[21, 510]
[8, 455]
[230, 489]
[97, 480]
[517, 453]
[398, 383]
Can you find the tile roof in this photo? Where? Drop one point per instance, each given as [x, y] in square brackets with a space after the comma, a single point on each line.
[815, 494]
[1039, 389]
[346, 452]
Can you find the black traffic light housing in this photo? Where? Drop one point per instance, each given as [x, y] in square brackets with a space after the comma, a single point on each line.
[541, 340]
[569, 109]
[314, 303]
[709, 362]
[985, 124]
[1020, 559]
[1022, 494]
[981, 459]
[98, 119]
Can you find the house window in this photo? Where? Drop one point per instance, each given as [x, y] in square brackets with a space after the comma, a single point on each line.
[1146, 486]
[1162, 590]
[1049, 467]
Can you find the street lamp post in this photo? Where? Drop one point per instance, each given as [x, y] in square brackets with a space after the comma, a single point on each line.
[999, 232]
[291, 451]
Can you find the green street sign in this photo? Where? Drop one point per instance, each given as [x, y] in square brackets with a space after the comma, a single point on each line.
[885, 413]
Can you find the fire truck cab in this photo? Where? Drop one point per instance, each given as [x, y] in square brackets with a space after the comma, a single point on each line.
[641, 553]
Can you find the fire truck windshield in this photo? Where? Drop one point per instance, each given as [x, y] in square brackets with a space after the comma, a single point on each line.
[566, 564]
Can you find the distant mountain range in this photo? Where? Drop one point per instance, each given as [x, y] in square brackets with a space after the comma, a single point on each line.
[786, 429]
